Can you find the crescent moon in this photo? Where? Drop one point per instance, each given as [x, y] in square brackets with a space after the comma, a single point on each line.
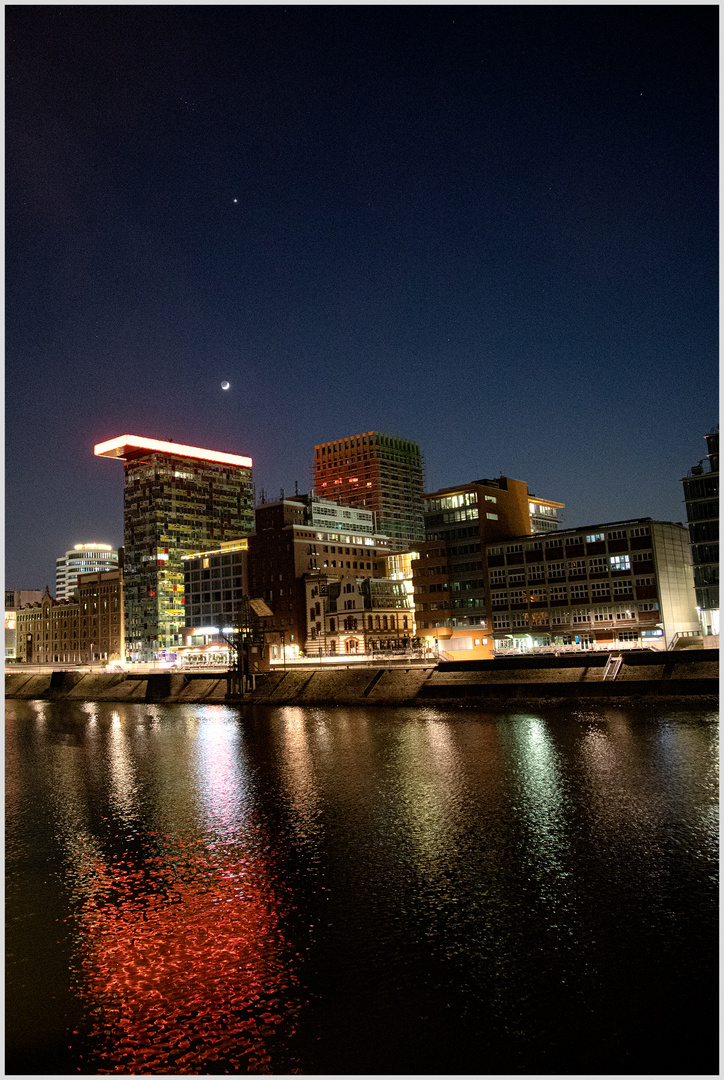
[225, 385]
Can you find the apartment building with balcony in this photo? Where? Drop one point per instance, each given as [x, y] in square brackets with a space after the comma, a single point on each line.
[620, 584]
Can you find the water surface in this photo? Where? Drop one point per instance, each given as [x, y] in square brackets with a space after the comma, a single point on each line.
[206, 889]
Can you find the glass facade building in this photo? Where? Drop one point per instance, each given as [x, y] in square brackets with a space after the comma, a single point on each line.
[177, 500]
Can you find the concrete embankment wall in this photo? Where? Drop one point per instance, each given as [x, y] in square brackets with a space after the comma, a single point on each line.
[693, 673]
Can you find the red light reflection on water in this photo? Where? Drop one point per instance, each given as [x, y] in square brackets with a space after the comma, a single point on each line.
[190, 976]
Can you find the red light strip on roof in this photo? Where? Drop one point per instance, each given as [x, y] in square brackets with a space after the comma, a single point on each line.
[124, 444]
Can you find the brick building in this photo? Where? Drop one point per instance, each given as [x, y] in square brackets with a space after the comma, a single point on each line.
[301, 537]
[85, 630]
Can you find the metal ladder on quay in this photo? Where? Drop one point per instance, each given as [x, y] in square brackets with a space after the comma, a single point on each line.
[613, 666]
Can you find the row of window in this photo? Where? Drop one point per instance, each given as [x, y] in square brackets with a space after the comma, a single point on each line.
[572, 541]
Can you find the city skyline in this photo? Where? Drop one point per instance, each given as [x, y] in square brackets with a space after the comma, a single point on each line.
[489, 231]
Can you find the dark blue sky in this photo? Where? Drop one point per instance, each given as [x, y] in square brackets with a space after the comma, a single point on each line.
[489, 229]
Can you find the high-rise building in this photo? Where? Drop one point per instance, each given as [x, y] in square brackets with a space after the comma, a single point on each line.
[378, 472]
[177, 500]
[83, 559]
[451, 595]
[701, 494]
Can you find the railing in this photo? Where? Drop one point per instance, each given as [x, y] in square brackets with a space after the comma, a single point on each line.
[683, 634]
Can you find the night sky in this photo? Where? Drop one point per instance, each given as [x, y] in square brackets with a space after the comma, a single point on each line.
[492, 230]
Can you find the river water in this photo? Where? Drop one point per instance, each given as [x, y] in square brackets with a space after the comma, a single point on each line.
[208, 889]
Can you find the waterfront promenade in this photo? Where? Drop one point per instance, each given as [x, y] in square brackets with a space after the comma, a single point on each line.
[581, 676]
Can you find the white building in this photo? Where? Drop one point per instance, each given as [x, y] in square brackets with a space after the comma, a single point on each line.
[83, 559]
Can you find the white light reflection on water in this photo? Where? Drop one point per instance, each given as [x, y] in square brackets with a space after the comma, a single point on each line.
[431, 793]
[123, 788]
[297, 772]
[542, 802]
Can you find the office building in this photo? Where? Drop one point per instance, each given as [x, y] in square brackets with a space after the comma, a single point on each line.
[452, 610]
[701, 494]
[307, 536]
[378, 472]
[14, 600]
[622, 584]
[177, 500]
[87, 629]
[82, 559]
[215, 584]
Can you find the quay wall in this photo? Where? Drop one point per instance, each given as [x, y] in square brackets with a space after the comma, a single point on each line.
[689, 673]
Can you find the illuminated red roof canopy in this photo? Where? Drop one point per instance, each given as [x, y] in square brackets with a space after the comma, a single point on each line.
[126, 444]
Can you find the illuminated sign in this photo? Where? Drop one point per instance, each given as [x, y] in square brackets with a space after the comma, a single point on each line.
[126, 444]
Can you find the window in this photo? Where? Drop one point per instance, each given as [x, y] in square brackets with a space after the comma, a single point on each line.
[499, 599]
[491, 517]
[556, 570]
[494, 551]
[571, 540]
[518, 596]
[536, 573]
[500, 622]
[620, 562]
[555, 543]
[516, 576]
[512, 548]
[594, 538]
[653, 606]
[576, 566]
[618, 534]
[580, 617]
[497, 577]
[644, 580]
[624, 586]
[597, 566]
[600, 588]
[578, 592]
[558, 592]
[643, 556]
[603, 616]
[628, 635]
[643, 531]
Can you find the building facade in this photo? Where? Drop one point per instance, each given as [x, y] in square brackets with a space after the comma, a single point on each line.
[287, 546]
[452, 610]
[350, 615]
[85, 630]
[622, 584]
[215, 584]
[177, 500]
[14, 600]
[83, 559]
[378, 472]
[701, 494]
